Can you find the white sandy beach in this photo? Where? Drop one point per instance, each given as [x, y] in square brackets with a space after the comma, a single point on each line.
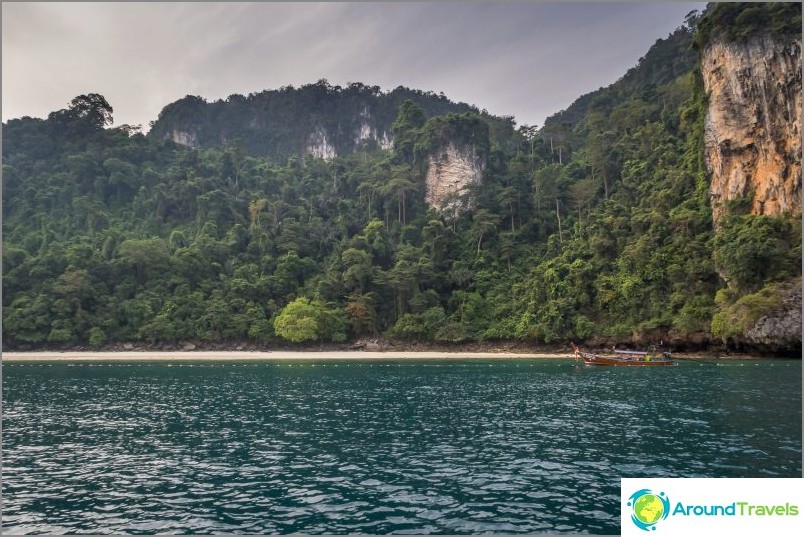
[264, 355]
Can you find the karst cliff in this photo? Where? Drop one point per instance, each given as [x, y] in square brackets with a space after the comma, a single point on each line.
[449, 172]
[753, 123]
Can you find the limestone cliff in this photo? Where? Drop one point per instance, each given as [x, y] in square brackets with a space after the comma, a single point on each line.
[368, 133]
[318, 119]
[188, 138]
[449, 171]
[319, 146]
[753, 123]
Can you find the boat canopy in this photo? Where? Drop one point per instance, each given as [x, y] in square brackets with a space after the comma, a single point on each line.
[633, 353]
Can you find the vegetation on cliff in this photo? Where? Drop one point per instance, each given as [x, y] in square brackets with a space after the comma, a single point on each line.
[277, 124]
[739, 21]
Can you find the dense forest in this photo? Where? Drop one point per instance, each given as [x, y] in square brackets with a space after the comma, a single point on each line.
[597, 227]
[277, 124]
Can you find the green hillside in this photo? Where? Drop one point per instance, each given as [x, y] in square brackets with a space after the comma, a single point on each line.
[278, 124]
[597, 228]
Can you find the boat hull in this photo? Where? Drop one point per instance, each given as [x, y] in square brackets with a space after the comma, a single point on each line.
[616, 361]
[622, 361]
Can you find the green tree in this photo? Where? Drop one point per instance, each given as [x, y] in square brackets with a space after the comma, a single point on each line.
[147, 255]
[298, 321]
[405, 129]
[311, 320]
[483, 223]
[86, 113]
[754, 250]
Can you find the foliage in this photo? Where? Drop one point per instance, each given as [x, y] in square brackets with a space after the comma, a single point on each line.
[461, 130]
[734, 318]
[278, 123]
[753, 250]
[599, 226]
[310, 320]
[739, 21]
[86, 113]
[298, 321]
[666, 60]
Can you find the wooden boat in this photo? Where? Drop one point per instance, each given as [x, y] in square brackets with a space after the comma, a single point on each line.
[624, 358]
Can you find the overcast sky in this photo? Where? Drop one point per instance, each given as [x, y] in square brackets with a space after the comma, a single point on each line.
[524, 59]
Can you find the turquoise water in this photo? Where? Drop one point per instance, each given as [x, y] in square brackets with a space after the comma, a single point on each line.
[410, 447]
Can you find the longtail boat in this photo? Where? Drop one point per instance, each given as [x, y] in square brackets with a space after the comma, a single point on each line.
[624, 358]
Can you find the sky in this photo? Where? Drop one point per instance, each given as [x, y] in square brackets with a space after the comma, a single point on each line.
[523, 59]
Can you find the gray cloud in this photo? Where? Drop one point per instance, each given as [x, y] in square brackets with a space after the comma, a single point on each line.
[523, 59]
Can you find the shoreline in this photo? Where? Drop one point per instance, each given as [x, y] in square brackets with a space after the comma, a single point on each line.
[341, 355]
[266, 355]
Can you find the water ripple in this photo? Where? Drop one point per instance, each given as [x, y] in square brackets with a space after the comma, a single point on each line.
[382, 448]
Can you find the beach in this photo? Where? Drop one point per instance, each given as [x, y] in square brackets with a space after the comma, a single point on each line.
[265, 355]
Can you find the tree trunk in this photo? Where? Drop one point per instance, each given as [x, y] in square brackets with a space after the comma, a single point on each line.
[558, 216]
[511, 208]
[580, 225]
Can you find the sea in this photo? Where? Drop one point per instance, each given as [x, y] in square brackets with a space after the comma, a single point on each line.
[453, 446]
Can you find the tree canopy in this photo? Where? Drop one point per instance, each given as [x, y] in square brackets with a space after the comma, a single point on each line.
[598, 228]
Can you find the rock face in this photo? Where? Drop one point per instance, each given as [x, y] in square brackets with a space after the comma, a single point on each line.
[449, 171]
[319, 146]
[292, 122]
[753, 123]
[190, 139]
[368, 133]
[780, 330]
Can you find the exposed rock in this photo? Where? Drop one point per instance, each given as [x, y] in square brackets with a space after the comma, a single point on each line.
[449, 171]
[319, 146]
[367, 132]
[368, 345]
[187, 138]
[188, 346]
[753, 123]
[780, 330]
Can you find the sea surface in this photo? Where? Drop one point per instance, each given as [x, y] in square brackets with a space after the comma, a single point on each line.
[379, 447]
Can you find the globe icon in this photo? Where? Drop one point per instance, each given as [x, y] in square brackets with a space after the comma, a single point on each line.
[648, 509]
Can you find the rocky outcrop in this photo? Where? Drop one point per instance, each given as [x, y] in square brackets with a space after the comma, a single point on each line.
[753, 123]
[449, 171]
[319, 146]
[779, 330]
[368, 133]
[281, 123]
[188, 138]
